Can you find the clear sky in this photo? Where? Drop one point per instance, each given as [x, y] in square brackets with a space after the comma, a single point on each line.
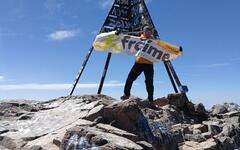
[44, 42]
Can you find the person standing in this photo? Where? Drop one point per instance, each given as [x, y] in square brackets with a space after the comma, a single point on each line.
[141, 65]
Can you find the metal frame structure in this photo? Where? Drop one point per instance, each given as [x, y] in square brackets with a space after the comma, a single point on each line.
[129, 16]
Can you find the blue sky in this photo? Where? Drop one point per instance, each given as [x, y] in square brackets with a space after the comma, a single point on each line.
[43, 44]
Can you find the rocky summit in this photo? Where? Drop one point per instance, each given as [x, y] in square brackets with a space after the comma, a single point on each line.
[99, 122]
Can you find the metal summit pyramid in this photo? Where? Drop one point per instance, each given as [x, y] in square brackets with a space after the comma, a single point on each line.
[129, 16]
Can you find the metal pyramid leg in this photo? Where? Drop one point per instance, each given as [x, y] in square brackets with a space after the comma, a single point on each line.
[81, 70]
[104, 73]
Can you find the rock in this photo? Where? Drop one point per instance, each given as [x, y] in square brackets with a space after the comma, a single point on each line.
[25, 117]
[122, 133]
[231, 114]
[99, 119]
[201, 127]
[210, 144]
[3, 148]
[12, 144]
[213, 127]
[178, 136]
[200, 109]
[207, 145]
[190, 145]
[236, 140]
[226, 143]
[101, 122]
[94, 113]
[170, 116]
[145, 145]
[235, 120]
[161, 101]
[228, 131]
[197, 131]
[219, 109]
[232, 107]
[77, 138]
[98, 140]
[194, 137]
[177, 99]
[53, 140]
[183, 128]
[162, 136]
[207, 135]
[3, 130]
[179, 131]
[125, 115]
[151, 114]
[57, 141]
[36, 147]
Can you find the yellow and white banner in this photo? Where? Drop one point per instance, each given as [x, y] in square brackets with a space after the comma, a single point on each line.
[150, 49]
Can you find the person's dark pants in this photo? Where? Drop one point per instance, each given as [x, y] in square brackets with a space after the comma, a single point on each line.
[136, 70]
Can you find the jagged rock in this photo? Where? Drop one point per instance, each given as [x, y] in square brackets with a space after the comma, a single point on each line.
[36, 147]
[178, 136]
[190, 145]
[105, 123]
[128, 116]
[235, 120]
[200, 109]
[3, 130]
[183, 128]
[3, 148]
[161, 101]
[94, 113]
[213, 127]
[219, 109]
[99, 119]
[111, 129]
[226, 143]
[170, 116]
[53, 140]
[197, 131]
[99, 141]
[145, 145]
[232, 107]
[125, 114]
[231, 114]
[162, 135]
[228, 131]
[76, 137]
[10, 143]
[207, 135]
[16, 108]
[177, 99]
[179, 131]
[194, 137]
[26, 116]
[201, 127]
[210, 144]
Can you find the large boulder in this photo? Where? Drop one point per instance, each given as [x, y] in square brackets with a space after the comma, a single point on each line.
[128, 116]
[219, 109]
[91, 137]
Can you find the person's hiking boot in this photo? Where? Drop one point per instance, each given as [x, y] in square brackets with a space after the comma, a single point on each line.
[124, 97]
[151, 105]
[150, 98]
